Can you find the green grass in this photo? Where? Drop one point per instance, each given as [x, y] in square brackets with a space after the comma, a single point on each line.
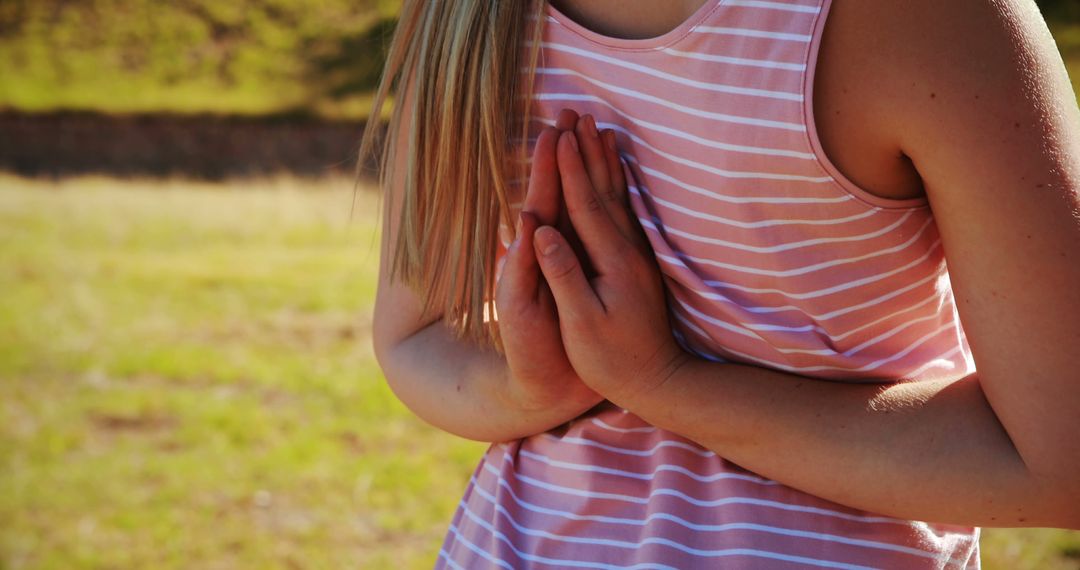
[249, 57]
[186, 381]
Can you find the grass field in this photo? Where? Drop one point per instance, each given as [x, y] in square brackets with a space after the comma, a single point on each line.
[247, 57]
[187, 382]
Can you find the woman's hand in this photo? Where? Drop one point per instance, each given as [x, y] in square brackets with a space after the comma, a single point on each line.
[615, 325]
[541, 376]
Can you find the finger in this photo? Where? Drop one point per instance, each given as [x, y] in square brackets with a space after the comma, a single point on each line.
[544, 196]
[593, 152]
[521, 271]
[574, 296]
[619, 206]
[611, 154]
[567, 230]
[566, 120]
[603, 241]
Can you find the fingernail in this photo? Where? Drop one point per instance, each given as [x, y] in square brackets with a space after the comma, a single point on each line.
[552, 245]
[590, 127]
[573, 140]
[609, 139]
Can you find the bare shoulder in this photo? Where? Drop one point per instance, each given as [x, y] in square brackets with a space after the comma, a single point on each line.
[985, 111]
[911, 63]
[976, 96]
[896, 77]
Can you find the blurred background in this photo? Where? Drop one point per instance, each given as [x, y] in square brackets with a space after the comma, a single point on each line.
[186, 283]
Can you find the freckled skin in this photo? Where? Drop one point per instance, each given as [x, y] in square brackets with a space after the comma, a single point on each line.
[974, 126]
[847, 105]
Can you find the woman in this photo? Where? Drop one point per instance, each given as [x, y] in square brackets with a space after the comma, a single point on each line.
[735, 342]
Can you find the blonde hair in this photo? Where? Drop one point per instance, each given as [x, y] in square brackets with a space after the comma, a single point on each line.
[469, 102]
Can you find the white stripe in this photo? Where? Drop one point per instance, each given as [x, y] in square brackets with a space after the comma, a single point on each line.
[844, 311]
[659, 468]
[736, 60]
[688, 162]
[864, 368]
[708, 337]
[733, 174]
[693, 501]
[832, 337]
[941, 361]
[553, 561]
[696, 450]
[667, 229]
[783, 36]
[714, 296]
[748, 225]
[825, 537]
[889, 333]
[710, 357]
[742, 199]
[828, 290]
[705, 85]
[607, 426]
[697, 189]
[701, 553]
[789, 368]
[446, 556]
[806, 268]
[764, 151]
[774, 6]
[485, 554]
[692, 326]
[735, 328]
[737, 119]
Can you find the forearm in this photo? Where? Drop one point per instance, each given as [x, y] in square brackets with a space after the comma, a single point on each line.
[463, 388]
[920, 450]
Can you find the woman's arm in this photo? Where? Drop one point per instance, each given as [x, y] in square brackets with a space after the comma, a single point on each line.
[462, 387]
[933, 450]
[986, 114]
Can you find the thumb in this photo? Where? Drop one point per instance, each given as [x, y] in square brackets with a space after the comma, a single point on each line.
[573, 294]
[520, 272]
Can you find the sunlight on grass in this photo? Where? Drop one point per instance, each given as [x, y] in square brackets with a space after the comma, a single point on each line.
[188, 383]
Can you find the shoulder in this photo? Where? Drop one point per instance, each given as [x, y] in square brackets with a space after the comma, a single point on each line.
[979, 100]
[917, 63]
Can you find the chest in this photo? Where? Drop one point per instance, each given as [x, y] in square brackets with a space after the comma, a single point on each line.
[852, 118]
[772, 253]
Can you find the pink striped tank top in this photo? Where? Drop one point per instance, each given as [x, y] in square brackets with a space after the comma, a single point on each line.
[772, 258]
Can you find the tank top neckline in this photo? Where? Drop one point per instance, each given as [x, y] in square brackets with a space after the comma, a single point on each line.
[643, 44]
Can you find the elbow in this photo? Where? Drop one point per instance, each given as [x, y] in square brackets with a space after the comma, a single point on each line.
[1070, 502]
[387, 334]
[1055, 502]
[385, 345]
[381, 346]
[387, 338]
